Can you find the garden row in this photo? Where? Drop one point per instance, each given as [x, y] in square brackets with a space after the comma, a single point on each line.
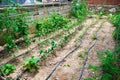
[14, 27]
[110, 59]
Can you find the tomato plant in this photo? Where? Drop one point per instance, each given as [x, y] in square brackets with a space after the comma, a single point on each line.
[12, 26]
[49, 24]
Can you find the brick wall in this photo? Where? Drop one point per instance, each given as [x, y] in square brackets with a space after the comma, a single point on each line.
[103, 2]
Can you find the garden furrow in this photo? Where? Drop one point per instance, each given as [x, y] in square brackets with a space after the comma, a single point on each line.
[35, 51]
[6, 59]
[105, 42]
[71, 66]
[44, 70]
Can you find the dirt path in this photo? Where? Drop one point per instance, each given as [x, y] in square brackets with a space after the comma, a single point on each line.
[105, 42]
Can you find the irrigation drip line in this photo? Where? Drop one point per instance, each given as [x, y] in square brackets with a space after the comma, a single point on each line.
[21, 74]
[55, 67]
[87, 54]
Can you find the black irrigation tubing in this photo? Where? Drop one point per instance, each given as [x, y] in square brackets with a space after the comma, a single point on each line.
[55, 67]
[18, 77]
[87, 54]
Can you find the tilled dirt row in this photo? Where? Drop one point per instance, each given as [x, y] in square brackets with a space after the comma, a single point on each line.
[34, 52]
[105, 42]
[72, 65]
[49, 63]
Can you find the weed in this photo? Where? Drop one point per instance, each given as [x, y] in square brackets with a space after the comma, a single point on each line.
[40, 52]
[93, 67]
[53, 44]
[94, 36]
[65, 38]
[115, 19]
[88, 79]
[81, 55]
[73, 78]
[67, 65]
[108, 64]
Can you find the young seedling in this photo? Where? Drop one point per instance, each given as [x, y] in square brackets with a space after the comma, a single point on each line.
[73, 78]
[54, 45]
[94, 36]
[93, 67]
[66, 65]
[81, 55]
[31, 63]
[94, 76]
[65, 39]
[7, 69]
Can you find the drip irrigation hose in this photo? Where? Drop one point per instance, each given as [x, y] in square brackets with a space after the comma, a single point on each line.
[55, 67]
[87, 54]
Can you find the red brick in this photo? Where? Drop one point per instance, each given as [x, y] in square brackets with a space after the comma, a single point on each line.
[103, 1]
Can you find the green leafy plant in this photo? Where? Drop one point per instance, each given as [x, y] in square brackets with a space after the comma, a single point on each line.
[88, 79]
[93, 67]
[94, 36]
[79, 10]
[65, 38]
[49, 24]
[94, 76]
[13, 26]
[31, 63]
[66, 65]
[7, 69]
[81, 55]
[72, 78]
[53, 44]
[115, 19]
[108, 64]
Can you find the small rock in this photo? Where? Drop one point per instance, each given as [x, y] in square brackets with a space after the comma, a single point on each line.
[112, 10]
[99, 8]
[1, 48]
[104, 17]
